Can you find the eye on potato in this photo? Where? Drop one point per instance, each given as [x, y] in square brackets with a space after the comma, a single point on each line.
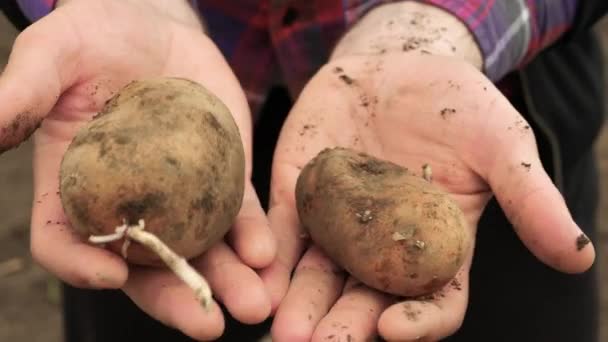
[392, 230]
[163, 156]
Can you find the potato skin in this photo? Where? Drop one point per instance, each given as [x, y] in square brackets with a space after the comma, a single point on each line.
[390, 229]
[164, 150]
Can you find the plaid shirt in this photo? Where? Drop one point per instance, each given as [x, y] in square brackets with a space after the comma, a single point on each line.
[285, 41]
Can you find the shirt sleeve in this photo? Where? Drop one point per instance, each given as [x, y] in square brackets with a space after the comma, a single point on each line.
[508, 32]
[36, 9]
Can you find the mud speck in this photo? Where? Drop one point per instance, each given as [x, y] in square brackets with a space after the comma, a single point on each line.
[306, 129]
[346, 79]
[338, 70]
[445, 112]
[456, 284]
[419, 244]
[365, 216]
[527, 166]
[18, 131]
[453, 85]
[414, 43]
[582, 241]
[410, 312]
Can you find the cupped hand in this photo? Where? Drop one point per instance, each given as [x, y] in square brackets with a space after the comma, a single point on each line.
[61, 71]
[412, 109]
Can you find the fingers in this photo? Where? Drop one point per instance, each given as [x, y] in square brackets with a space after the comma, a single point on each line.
[55, 246]
[276, 277]
[354, 316]
[427, 319]
[237, 286]
[30, 85]
[315, 286]
[251, 236]
[58, 250]
[164, 297]
[538, 211]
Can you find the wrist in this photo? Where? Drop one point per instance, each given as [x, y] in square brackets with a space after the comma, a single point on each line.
[410, 27]
[178, 10]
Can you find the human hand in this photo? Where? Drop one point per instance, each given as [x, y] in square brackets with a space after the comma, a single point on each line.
[61, 71]
[412, 109]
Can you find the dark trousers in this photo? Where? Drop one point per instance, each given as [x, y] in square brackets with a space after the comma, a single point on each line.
[513, 296]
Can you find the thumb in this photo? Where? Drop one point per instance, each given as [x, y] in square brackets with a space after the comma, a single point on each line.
[41, 66]
[537, 209]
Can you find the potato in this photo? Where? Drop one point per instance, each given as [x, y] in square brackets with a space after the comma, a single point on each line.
[162, 150]
[392, 230]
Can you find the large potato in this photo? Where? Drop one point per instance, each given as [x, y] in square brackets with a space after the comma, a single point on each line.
[164, 150]
[390, 229]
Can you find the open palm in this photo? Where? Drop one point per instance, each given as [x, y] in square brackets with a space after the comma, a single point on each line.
[412, 110]
[60, 73]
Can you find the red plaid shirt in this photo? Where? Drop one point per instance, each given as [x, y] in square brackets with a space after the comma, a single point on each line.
[270, 42]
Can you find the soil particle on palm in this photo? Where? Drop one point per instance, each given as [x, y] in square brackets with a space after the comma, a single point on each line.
[308, 128]
[526, 166]
[413, 43]
[445, 112]
[346, 79]
[522, 125]
[456, 284]
[366, 101]
[410, 312]
[453, 85]
[95, 90]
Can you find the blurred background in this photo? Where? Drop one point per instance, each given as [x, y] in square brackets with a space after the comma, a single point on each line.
[30, 298]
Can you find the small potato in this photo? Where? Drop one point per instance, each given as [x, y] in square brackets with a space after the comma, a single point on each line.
[390, 229]
[163, 150]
